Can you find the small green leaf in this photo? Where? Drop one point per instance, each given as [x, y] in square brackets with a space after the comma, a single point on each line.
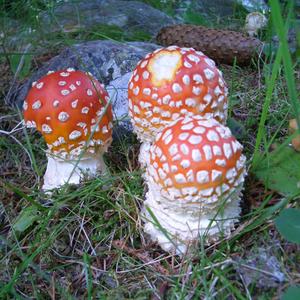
[292, 293]
[280, 171]
[25, 60]
[26, 218]
[288, 224]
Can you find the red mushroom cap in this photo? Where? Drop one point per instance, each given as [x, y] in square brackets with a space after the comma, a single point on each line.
[68, 108]
[196, 161]
[173, 82]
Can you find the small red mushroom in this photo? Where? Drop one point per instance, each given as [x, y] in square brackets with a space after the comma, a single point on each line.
[171, 83]
[71, 110]
[195, 177]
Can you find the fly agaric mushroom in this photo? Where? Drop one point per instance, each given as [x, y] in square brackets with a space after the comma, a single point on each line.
[195, 177]
[170, 83]
[71, 110]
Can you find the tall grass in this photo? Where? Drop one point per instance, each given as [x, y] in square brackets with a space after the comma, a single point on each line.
[283, 56]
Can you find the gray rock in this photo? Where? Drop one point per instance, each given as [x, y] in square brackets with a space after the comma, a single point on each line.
[261, 268]
[128, 15]
[204, 8]
[110, 62]
[218, 8]
[117, 90]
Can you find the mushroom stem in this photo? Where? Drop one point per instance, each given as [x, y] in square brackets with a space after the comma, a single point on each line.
[60, 170]
[144, 156]
[181, 224]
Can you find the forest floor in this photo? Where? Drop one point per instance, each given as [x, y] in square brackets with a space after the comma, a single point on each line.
[87, 241]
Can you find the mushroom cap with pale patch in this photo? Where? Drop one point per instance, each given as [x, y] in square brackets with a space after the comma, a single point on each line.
[70, 109]
[196, 161]
[173, 82]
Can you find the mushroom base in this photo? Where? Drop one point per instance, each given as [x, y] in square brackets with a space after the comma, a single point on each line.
[180, 227]
[61, 171]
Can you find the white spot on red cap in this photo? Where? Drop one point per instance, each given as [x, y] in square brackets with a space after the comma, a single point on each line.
[173, 149]
[187, 64]
[30, 124]
[104, 130]
[183, 136]
[85, 110]
[36, 105]
[146, 75]
[202, 177]
[89, 92]
[186, 79]
[146, 91]
[227, 150]
[72, 87]
[210, 62]
[65, 92]
[212, 136]
[185, 163]
[196, 155]
[176, 88]
[197, 78]
[144, 63]
[81, 124]
[63, 116]
[55, 103]
[217, 150]
[187, 126]
[39, 85]
[75, 134]
[196, 90]
[136, 90]
[209, 74]
[207, 152]
[190, 102]
[195, 139]
[64, 74]
[217, 91]
[25, 105]
[74, 103]
[184, 149]
[180, 178]
[216, 175]
[46, 128]
[62, 83]
[193, 58]
[207, 98]
[221, 162]
[199, 129]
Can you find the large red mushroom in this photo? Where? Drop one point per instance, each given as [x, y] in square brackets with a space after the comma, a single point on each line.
[71, 109]
[195, 177]
[170, 83]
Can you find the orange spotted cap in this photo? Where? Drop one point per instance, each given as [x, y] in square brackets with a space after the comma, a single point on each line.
[196, 161]
[173, 82]
[69, 108]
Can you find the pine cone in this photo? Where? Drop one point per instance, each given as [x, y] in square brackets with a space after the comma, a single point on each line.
[220, 45]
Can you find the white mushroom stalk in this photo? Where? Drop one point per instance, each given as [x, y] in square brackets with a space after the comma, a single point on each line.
[170, 83]
[195, 177]
[72, 111]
